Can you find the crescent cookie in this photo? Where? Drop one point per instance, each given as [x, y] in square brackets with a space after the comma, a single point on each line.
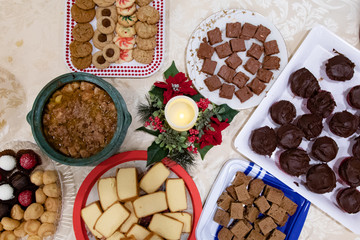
[148, 14]
[106, 12]
[146, 43]
[85, 4]
[80, 49]
[105, 25]
[100, 40]
[142, 3]
[124, 3]
[83, 32]
[124, 42]
[125, 31]
[126, 55]
[145, 30]
[104, 3]
[82, 62]
[111, 52]
[99, 60]
[127, 21]
[81, 15]
[126, 11]
[142, 56]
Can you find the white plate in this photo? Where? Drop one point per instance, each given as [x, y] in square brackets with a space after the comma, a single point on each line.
[312, 54]
[219, 19]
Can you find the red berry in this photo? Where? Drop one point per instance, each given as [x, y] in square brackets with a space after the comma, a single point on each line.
[28, 161]
[25, 198]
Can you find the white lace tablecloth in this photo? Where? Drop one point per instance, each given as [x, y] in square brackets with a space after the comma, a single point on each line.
[31, 54]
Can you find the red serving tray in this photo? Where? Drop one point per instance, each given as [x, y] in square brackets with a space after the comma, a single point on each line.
[98, 171]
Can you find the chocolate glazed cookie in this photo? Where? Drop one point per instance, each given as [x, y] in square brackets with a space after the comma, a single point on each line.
[324, 149]
[320, 179]
[303, 83]
[263, 140]
[322, 103]
[344, 124]
[349, 171]
[282, 112]
[349, 200]
[340, 68]
[311, 125]
[294, 162]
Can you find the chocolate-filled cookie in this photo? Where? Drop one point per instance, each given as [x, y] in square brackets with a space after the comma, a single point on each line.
[324, 149]
[356, 148]
[353, 97]
[107, 12]
[289, 136]
[83, 32]
[282, 112]
[349, 171]
[340, 68]
[303, 83]
[311, 125]
[263, 140]
[320, 179]
[349, 200]
[344, 124]
[105, 25]
[100, 40]
[294, 162]
[99, 60]
[81, 15]
[322, 103]
[111, 52]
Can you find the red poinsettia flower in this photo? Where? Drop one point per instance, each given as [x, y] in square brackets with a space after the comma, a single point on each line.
[177, 85]
[213, 137]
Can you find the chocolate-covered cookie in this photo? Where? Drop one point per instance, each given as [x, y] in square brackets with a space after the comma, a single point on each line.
[303, 83]
[324, 149]
[320, 179]
[344, 124]
[282, 112]
[322, 103]
[311, 125]
[353, 97]
[349, 171]
[356, 148]
[349, 200]
[340, 68]
[263, 140]
[294, 162]
[289, 136]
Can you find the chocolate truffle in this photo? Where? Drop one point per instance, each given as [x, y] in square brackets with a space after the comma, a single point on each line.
[303, 83]
[344, 124]
[311, 125]
[322, 103]
[263, 140]
[324, 149]
[349, 200]
[294, 162]
[282, 112]
[320, 179]
[356, 148]
[19, 180]
[339, 68]
[353, 97]
[349, 171]
[4, 210]
[289, 136]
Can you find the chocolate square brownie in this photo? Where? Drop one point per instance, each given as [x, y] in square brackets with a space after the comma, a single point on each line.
[226, 73]
[261, 33]
[256, 186]
[205, 50]
[252, 65]
[255, 235]
[224, 201]
[214, 36]
[277, 213]
[222, 217]
[241, 178]
[233, 61]
[223, 50]
[273, 195]
[255, 51]
[212, 83]
[289, 206]
[251, 213]
[283, 222]
[271, 62]
[240, 79]
[271, 47]
[242, 193]
[237, 45]
[227, 91]
[236, 210]
[244, 94]
[241, 228]
[264, 75]
[225, 234]
[231, 191]
[208, 66]
[233, 30]
[266, 225]
[248, 31]
[262, 204]
[277, 235]
[256, 86]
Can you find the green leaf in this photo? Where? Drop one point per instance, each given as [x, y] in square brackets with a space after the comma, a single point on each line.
[155, 154]
[152, 132]
[228, 113]
[196, 97]
[158, 92]
[203, 150]
[171, 71]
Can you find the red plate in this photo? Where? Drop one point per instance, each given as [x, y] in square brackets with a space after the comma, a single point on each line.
[97, 172]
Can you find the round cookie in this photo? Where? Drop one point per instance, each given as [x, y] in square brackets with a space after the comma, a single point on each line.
[80, 49]
[125, 56]
[311, 125]
[105, 25]
[145, 30]
[148, 14]
[125, 31]
[106, 12]
[320, 178]
[81, 63]
[340, 68]
[294, 162]
[303, 83]
[142, 56]
[99, 60]
[356, 148]
[111, 52]
[349, 171]
[124, 3]
[104, 3]
[124, 42]
[289, 136]
[126, 11]
[82, 16]
[282, 112]
[85, 4]
[349, 200]
[127, 21]
[146, 43]
[344, 124]
[353, 97]
[83, 32]
[263, 141]
[324, 149]
[322, 103]
[100, 40]
[142, 3]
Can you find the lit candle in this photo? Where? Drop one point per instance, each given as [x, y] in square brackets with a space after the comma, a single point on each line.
[181, 113]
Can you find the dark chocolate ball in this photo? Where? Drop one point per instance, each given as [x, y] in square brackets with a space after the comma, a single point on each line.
[349, 200]
[324, 149]
[263, 140]
[349, 171]
[344, 124]
[294, 161]
[340, 68]
[303, 83]
[282, 112]
[322, 103]
[353, 97]
[20, 180]
[320, 179]
[311, 125]
[289, 136]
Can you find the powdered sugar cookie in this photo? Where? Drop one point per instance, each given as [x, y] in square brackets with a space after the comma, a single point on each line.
[104, 3]
[107, 12]
[125, 56]
[124, 42]
[126, 11]
[105, 25]
[124, 3]
[142, 56]
[125, 31]
[111, 52]
[127, 21]
[99, 60]
[148, 14]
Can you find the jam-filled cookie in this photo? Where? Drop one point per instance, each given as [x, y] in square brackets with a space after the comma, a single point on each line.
[99, 60]
[100, 40]
[104, 3]
[146, 43]
[81, 62]
[124, 3]
[105, 25]
[125, 31]
[142, 56]
[111, 52]
[124, 42]
[127, 21]
[82, 16]
[106, 12]
[142, 3]
[125, 56]
[85, 4]
[148, 14]
[126, 11]
[145, 30]
[80, 49]
[83, 32]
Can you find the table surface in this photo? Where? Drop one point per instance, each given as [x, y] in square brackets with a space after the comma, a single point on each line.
[32, 53]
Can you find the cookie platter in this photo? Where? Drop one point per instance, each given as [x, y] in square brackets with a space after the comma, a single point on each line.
[267, 32]
[319, 46]
[128, 68]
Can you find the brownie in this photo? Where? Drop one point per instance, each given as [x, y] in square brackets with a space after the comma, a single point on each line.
[344, 124]
[224, 201]
[303, 83]
[208, 66]
[263, 140]
[353, 97]
[324, 149]
[255, 235]
[277, 235]
[282, 112]
[256, 86]
[271, 47]
[213, 83]
[255, 51]
[264, 75]
[233, 30]
[320, 178]
[237, 45]
[214, 36]
[225, 234]
[349, 200]
[251, 213]
[349, 171]
[321, 103]
[205, 51]
[252, 65]
[241, 228]
[289, 136]
[227, 91]
[283, 222]
[311, 125]
[256, 186]
[294, 162]
[231, 191]
[340, 68]
[273, 195]
[271, 62]
[242, 193]
[262, 204]
[244, 94]
[240, 179]
[249, 201]
[223, 50]
[226, 73]
[277, 213]
[261, 33]
[266, 225]
[288, 205]
[222, 217]
[237, 210]
[233, 61]
[248, 31]
[240, 79]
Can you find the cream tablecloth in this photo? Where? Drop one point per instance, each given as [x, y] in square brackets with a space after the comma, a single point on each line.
[31, 43]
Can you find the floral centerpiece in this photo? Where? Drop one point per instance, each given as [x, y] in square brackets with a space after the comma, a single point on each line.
[181, 147]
